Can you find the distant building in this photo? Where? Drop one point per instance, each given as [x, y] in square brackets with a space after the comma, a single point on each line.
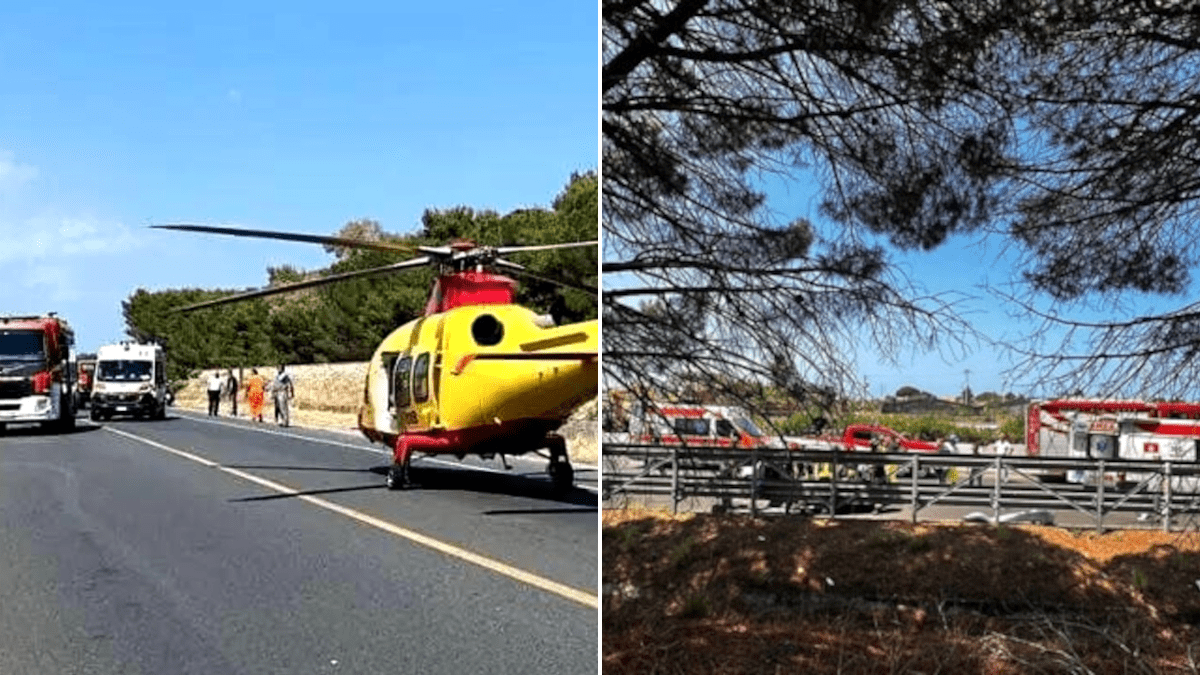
[924, 403]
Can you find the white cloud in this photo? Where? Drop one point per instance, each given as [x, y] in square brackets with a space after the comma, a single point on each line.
[234, 95]
[54, 237]
[13, 174]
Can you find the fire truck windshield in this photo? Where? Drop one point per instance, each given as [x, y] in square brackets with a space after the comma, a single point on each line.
[21, 345]
[122, 371]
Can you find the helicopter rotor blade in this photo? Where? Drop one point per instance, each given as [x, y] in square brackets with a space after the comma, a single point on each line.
[520, 270]
[505, 250]
[306, 238]
[311, 283]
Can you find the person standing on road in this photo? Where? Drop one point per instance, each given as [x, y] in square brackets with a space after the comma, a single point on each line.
[214, 393]
[1003, 448]
[282, 391]
[255, 394]
[231, 390]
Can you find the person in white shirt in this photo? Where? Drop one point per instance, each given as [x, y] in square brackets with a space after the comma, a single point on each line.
[1003, 448]
[214, 393]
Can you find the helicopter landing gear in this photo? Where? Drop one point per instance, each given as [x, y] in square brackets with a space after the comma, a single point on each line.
[398, 476]
[562, 475]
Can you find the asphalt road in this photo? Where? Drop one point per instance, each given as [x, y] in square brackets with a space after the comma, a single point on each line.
[199, 546]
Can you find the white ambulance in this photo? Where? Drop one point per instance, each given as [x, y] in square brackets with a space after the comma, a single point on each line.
[130, 379]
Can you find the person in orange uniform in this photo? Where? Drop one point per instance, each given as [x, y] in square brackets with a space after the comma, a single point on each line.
[255, 396]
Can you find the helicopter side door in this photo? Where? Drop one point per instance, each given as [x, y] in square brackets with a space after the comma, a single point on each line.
[411, 398]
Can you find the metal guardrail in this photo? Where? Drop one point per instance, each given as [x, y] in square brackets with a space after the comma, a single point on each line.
[833, 482]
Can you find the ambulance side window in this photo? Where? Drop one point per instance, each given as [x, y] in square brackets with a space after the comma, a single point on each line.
[690, 426]
[726, 428]
[420, 383]
[400, 382]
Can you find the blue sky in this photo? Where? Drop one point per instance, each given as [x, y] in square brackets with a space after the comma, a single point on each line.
[294, 116]
[970, 271]
[965, 270]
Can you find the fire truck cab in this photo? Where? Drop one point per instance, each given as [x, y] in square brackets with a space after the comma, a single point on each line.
[37, 371]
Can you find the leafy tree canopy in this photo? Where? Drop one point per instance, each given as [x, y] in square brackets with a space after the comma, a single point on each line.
[1066, 130]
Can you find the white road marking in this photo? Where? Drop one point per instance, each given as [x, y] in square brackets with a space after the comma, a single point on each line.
[379, 451]
[582, 597]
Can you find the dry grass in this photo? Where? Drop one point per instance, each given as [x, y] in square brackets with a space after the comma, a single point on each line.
[328, 396]
[726, 594]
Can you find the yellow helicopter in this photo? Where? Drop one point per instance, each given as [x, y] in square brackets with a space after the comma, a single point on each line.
[477, 374]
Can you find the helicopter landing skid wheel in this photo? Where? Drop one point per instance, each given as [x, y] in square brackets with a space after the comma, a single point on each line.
[562, 475]
[397, 477]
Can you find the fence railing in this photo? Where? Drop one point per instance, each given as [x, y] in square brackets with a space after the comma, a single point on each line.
[835, 482]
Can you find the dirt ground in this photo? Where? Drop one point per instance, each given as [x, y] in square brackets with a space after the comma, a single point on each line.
[732, 594]
[328, 397]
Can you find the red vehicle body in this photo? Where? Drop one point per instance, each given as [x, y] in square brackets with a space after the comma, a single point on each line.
[1156, 431]
[37, 371]
[86, 371]
[859, 437]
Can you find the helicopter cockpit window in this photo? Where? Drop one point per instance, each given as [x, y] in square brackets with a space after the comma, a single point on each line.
[487, 330]
[389, 364]
[400, 391]
[420, 382]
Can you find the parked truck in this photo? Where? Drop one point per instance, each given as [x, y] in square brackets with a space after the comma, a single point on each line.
[131, 379]
[1105, 429]
[862, 437]
[37, 371]
[85, 370]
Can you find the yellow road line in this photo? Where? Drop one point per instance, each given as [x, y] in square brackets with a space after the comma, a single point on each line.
[573, 594]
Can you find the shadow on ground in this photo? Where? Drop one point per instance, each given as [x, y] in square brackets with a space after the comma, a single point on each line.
[735, 594]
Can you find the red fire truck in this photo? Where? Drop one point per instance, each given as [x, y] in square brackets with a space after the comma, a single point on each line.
[37, 371]
[1102, 429]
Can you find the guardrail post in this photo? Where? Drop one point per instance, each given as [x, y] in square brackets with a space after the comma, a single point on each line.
[675, 479]
[1100, 500]
[1166, 516]
[833, 478]
[915, 493]
[753, 482]
[996, 485]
